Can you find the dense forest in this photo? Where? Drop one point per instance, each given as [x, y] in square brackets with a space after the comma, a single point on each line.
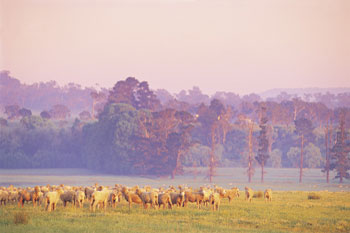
[131, 129]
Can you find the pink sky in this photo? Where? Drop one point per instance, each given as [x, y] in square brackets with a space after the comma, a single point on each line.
[240, 46]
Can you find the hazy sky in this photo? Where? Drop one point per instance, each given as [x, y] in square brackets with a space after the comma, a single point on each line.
[240, 46]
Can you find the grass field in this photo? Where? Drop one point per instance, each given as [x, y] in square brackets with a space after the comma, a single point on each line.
[288, 212]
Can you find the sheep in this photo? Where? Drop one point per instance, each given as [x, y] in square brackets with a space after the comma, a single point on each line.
[24, 195]
[214, 200]
[52, 198]
[268, 195]
[40, 198]
[88, 192]
[177, 198]
[35, 196]
[197, 197]
[68, 196]
[13, 196]
[228, 193]
[11, 188]
[113, 198]
[79, 198]
[249, 194]
[4, 195]
[148, 198]
[45, 189]
[131, 197]
[165, 199]
[206, 194]
[99, 197]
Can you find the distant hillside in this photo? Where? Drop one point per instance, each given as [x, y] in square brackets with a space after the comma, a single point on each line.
[300, 92]
[44, 95]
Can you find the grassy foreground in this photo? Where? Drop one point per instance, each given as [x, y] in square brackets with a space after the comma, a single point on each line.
[288, 212]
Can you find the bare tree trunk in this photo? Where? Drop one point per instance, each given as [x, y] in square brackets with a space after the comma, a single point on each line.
[327, 154]
[250, 143]
[212, 152]
[177, 166]
[330, 146]
[211, 169]
[93, 108]
[301, 158]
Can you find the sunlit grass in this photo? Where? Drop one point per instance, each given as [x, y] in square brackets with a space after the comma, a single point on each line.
[288, 212]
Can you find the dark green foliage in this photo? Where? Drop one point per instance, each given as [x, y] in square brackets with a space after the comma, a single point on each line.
[23, 112]
[33, 122]
[108, 140]
[59, 111]
[12, 111]
[263, 154]
[236, 139]
[45, 115]
[286, 140]
[36, 143]
[304, 127]
[134, 134]
[134, 93]
[3, 122]
[340, 160]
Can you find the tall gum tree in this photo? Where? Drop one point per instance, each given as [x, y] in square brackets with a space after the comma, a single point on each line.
[263, 153]
[303, 127]
[340, 152]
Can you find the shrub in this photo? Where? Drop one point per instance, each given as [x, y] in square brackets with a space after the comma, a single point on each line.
[313, 196]
[258, 194]
[21, 218]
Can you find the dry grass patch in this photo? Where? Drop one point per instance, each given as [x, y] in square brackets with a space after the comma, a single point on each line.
[313, 196]
[20, 218]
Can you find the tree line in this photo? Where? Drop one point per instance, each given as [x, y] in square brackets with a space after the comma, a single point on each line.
[134, 132]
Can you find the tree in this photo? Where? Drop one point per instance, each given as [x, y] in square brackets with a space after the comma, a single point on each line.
[235, 141]
[32, 122]
[23, 112]
[250, 169]
[146, 98]
[263, 153]
[303, 127]
[328, 144]
[134, 93]
[3, 122]
[59, 111]
[12, 111]
[123, 92]
[218, 123]
[198, 155]
[298, 106]
[97, 97]
[313, 157]
[275, 158]
[45, 115]
[340, 152]
[177, 144]
[108, 142]
[84, 116]
[293, 156]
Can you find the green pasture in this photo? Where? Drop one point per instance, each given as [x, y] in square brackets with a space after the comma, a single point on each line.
[289, 211]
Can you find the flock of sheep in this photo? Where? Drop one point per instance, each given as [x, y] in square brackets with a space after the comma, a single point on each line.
[100, 196]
